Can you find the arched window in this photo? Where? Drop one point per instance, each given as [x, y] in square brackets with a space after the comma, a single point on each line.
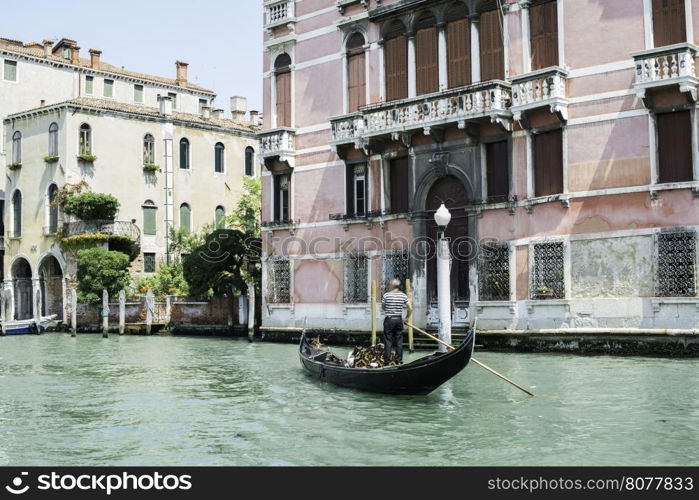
[356, 72]
[148, 150]
[186, 218]
[53, 209]
[282, 68]
[184, 154]
[220, 217]
[149, 222]
[53, 139]
[85, 140]
[396, 60]
[17, 214]
[458, 46]
[17, 147]
[219, 149]
[249, 161]
[426, 55]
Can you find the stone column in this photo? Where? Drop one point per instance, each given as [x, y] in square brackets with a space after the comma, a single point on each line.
[475, 49]
[443, 61]
[412, 79]
[526, 37]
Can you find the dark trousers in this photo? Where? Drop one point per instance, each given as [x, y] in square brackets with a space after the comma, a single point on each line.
[393, 338]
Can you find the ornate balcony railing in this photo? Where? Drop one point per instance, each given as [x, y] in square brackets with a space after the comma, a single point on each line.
[277, 143]
[278, 12]
[545, 87]
[108, 227]
[484, 100]
[664, 66]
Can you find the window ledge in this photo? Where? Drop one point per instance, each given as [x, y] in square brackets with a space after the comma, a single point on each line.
[280, 306]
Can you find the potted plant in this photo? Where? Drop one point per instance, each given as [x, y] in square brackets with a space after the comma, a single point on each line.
[50, 159]
[87, 156]
[14, 166]
[150, 167]
[543, 292]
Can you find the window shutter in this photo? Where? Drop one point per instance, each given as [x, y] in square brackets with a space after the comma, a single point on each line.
[284, 99]
[398, 183]
[675, 146]
[669, 26]
[459, 53]
[498, 177]
[492, 52]
[149, 226]
[544, 35]
[349, 189]
[10, 70]
[184, 154]
[357, 81]
[218, 217]
[185, 218]
[548, 163]
[426, 61]
[396, 55]
[277, 199]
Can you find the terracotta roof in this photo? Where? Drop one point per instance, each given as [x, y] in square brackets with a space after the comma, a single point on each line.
[137, 109]
[36, 50]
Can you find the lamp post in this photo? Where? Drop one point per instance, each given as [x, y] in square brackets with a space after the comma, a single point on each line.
[442, 218]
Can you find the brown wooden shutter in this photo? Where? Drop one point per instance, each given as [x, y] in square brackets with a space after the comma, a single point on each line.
[669, 26]
[284, 99]
[356, 72]
[548, 163]
[497, 169]
[396, 68]
[459, 53]
[543, 21]
[492, 52]
[675, 147]
[426, 61]
[349, 189]
[398, 182]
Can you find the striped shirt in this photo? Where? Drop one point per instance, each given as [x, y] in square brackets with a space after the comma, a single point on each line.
[393, 303]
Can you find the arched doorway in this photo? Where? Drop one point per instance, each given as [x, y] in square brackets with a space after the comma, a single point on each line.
[51, 286]
[450, 191]
[22, 288]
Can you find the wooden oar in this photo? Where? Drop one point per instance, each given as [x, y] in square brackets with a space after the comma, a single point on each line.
[472, 359]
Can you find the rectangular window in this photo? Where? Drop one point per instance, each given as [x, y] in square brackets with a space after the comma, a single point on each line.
[674, 147]
[547, 278]
[89, 84]
[676, 254]
[669, 25]
[138, 93]
[395, 265]
[10, 70]
[202, 103]
[497, 171]
[494, 272]
[356, 279]
[108, 88]
[356, 190]
[281, 198]
[548, 162]
[396, 56]
[173, 96]
[148, 262]
[543, 20]
[398, 185]
[149, 224]
[279, 281]
[491, 45]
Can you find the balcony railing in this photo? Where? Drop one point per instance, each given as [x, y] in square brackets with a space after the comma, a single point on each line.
[545, 87]
[278, 13]
[108, 227]
[278, 143]
[664, 66]
[483, 100]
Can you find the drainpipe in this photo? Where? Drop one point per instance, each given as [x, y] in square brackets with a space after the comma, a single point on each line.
[168, 129]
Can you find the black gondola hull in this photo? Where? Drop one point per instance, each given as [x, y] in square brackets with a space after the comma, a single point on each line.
[418, 377]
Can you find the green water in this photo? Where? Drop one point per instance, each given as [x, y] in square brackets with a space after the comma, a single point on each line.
[194, 401]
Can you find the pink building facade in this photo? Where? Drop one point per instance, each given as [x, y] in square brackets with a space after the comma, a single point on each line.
[561, 134]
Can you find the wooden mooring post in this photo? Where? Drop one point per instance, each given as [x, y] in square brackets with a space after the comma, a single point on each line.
[122, 312]
[373, 312]
[105, 314]
[4, 302]
[73, 312]
[149, 311]
[409, 293]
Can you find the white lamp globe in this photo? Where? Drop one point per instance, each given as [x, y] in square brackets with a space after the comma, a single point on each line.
[442, 216]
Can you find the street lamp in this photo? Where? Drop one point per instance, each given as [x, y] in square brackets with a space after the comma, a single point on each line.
[442, 217]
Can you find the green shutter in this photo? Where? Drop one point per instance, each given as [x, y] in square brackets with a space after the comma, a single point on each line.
[108, 88]
[149, 226]
[220, 214]
[88, 84]
[185, 219]
[11, 71]
[138, 93]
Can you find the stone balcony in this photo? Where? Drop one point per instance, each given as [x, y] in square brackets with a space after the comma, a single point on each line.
[277, 145]
[108, 227]
[666, 67]
[279, 13]
[540, 89]
[426, 114]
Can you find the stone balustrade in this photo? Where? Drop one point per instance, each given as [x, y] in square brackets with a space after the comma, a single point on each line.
[664, 66]
[277, 143]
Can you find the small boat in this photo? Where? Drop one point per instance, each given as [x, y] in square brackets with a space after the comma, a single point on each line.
[421, 376]
[28, 326]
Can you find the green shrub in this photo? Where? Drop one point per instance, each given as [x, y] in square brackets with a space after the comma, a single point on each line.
[101, 269]
[151, 167]
[14, 166]
[50, 159]
[92, 206]
[125, 245]
[87, 158]
[169, 280]
[82, 241]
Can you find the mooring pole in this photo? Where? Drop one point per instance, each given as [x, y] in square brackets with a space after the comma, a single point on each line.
[373, 312]
[409, 293]
[149, 311]
[73, 312]
[122, 312]
[3, 311]
[105, 314]
[251, 310]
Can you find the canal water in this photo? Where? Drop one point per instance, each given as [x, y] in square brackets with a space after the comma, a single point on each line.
[208, 401]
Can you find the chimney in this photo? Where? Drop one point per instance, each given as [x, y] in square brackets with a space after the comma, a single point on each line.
[239, 106]
[75, 55]
[47, 47]
[254, 118]
[217, 114]
[165, 105]
[206, 112]
[95, 58]
[181, 72]
[42, 103]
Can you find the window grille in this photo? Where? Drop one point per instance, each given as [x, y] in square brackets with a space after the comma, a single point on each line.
[279, 289]
[396, 264]
[356, 279]
[676, 264]
[547, 279]
[494, 272]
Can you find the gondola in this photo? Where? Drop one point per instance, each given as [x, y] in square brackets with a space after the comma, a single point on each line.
[421, 376]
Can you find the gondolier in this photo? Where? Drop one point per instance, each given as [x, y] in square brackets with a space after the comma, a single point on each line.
[393, 303]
